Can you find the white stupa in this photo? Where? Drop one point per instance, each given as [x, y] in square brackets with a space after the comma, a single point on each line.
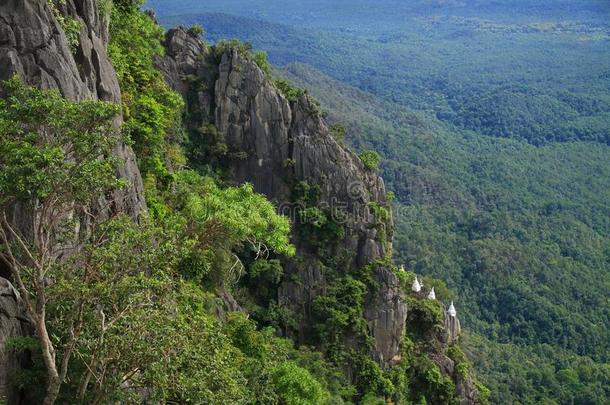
[452, 324]
[402, 268]
[432, 294]
[451, 311]
[416, 287]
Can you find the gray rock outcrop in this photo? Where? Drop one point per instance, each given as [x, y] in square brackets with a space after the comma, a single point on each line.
[283, 143]
[465, 388]
[13, 324]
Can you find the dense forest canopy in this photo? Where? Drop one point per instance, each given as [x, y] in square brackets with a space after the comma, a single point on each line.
[517, 227]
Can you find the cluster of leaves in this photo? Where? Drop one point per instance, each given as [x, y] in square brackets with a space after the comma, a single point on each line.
[151, 110]
[338, 132]
[318, 226]
[42, 167]
[196, 30]
[370, 159]
[70, 25]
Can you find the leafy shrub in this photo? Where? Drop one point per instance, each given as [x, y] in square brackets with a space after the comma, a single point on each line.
[289, 91]
[296, 386]
[70, 25]
[340, 311]
[152, 111]
[243, 48]
[196, 30]
[338, 132]
[424, 317]
[261, 59]
[370, 158]
[371, 379]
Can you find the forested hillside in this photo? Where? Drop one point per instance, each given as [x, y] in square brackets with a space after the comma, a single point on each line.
[519, 228]
[180, 225]
[511, 229]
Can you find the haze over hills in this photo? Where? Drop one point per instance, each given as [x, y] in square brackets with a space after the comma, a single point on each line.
[510, 85]
[519, 228]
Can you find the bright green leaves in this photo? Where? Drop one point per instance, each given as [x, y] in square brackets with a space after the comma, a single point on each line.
[152, 111]
[51, 148]
[191, 358]
[139, 323]
[370, 377]
[425, 318]
[288, 90]
[370, 159]
[70, 25]
[296, 386]
[340, 310]
[338, 131]
[429, 385]
[233, 215]
[261, 59]
[219, 222]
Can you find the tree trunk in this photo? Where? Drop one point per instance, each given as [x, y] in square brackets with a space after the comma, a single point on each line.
[48, 355]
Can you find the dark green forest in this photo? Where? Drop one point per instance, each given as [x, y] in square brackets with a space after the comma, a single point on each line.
[493, 129]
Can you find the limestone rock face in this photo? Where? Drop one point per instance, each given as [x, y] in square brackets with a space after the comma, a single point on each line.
[386, 313]
[465, 388]
[290, 142]
[34, 47]
[283, 143]
[13, 323]
[452, 327]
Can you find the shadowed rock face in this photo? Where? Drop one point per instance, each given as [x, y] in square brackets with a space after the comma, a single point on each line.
[12, 324]
[285, 143]
[34, 47]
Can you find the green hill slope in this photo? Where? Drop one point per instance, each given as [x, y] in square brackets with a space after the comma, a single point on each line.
[519, 232]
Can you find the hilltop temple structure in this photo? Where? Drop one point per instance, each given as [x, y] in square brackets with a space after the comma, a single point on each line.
[452, 323]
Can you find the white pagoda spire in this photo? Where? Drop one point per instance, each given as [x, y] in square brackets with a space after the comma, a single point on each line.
[416, 287]
[451, 311]
[432, 294]
[402, 268]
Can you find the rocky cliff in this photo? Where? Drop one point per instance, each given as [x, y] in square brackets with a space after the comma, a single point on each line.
[34, 46]
[285, 143]
[13, 324]
[281, 144]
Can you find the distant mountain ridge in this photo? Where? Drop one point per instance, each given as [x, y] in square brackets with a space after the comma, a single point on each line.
[424, 69]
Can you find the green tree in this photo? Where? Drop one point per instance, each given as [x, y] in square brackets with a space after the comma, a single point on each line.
[296, 386]
[56, 159]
